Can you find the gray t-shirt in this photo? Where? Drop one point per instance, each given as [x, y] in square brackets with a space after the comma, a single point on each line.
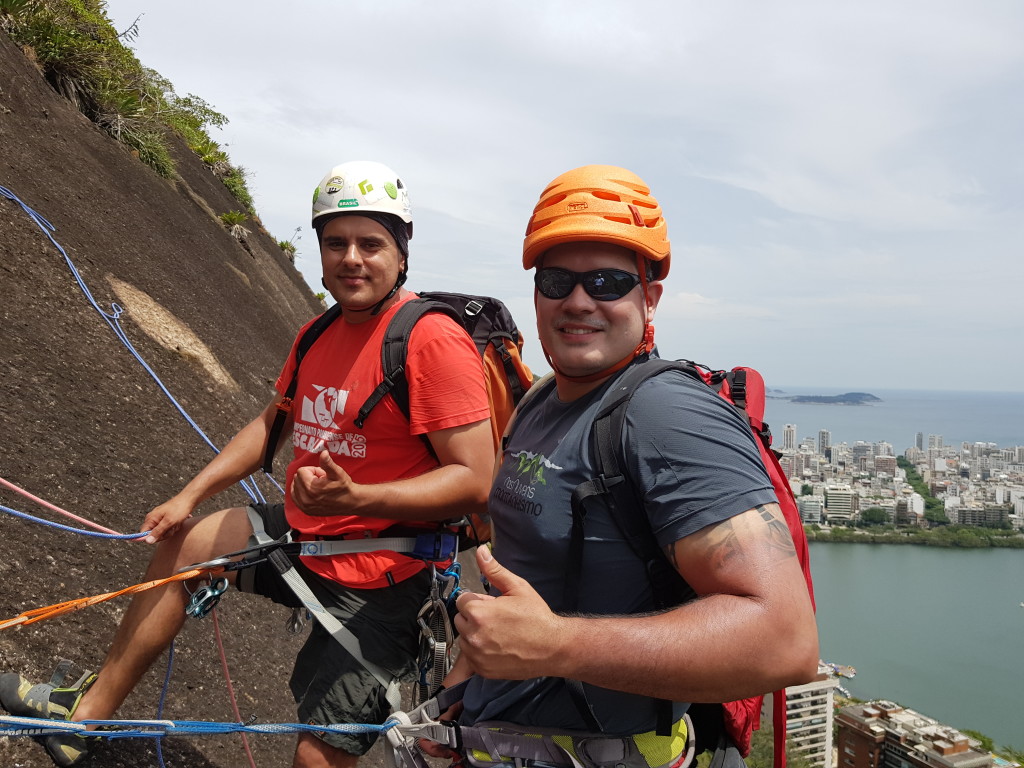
[697, 463]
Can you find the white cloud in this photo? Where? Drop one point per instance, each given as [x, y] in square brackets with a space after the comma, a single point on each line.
[825, 167]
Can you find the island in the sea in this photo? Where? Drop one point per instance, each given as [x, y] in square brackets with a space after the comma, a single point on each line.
[849, 398]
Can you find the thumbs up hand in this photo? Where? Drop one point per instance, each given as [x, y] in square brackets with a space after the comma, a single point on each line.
[514, 636]
[326, 489]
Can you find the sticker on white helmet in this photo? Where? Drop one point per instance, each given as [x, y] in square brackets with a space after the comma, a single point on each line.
[370, 193]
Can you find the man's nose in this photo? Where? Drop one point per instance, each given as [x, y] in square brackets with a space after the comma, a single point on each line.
[578, 299]
[351, 255]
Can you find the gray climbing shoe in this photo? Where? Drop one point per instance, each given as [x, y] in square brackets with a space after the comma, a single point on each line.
[52, 701]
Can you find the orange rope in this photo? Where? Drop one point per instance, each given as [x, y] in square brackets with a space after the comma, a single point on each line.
[38, 614]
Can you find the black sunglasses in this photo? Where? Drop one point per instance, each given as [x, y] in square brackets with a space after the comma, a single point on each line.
[600, 284]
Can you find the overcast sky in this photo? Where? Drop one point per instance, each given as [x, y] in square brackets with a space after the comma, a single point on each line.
[843, 182]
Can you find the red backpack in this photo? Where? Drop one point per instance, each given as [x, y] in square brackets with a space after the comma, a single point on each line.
[744, 389]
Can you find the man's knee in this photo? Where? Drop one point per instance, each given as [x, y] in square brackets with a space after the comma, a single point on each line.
[208, 536]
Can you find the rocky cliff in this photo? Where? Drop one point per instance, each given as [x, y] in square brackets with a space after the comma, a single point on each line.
[84, 425]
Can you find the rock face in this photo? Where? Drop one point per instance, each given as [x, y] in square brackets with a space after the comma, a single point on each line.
[85, 427]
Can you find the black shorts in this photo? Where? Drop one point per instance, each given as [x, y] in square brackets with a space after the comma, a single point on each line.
[329, 685]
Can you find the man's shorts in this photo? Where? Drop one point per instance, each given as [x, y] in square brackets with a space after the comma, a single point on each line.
[330, 686]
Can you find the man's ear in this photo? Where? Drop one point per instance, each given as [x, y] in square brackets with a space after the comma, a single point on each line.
[654, 292]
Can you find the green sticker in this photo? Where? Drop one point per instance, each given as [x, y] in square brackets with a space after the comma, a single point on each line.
[365, 186]
[316, 194]
[391, 190]
[349, 203]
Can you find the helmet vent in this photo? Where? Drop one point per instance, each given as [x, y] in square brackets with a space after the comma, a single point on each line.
[605, 195]
[645, 203]
[550, 202]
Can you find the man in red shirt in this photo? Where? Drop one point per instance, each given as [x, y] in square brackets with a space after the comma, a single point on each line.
[344, 481]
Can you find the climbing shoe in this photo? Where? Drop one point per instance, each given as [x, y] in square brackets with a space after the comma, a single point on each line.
[52, 701]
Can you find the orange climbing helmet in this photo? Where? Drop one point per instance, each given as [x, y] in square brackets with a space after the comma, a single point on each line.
[602, 203]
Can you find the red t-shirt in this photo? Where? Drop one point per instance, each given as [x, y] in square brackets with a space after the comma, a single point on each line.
[338, 373]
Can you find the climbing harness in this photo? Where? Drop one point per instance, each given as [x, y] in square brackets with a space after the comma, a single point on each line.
[430, 546]
[490, 744]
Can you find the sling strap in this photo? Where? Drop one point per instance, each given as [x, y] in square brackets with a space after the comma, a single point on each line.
[335, 628]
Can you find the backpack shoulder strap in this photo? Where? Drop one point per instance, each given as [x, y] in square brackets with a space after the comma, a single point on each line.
[622, 499]
[284, 407]
[393, 354]
[611, 482]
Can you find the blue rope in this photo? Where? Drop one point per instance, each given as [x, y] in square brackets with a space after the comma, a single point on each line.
[82, 531]
[163, 698]
[113, 320]
[30, 726]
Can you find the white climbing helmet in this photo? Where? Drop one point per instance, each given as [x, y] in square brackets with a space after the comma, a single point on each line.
[362, 186]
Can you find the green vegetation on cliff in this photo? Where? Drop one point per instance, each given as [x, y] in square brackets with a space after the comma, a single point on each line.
[85, 59]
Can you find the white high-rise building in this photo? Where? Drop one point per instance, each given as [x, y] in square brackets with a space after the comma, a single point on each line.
[811, 508]
[809, 711]
[789, 437]
[824, 441]
[841, 503]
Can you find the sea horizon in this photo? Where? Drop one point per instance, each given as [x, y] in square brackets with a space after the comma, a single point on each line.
[960, 416]
[811, 389]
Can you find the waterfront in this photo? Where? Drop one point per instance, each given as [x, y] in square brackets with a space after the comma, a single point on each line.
[996, 417]
[936, 630]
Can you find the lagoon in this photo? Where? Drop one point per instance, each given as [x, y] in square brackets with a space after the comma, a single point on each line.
[940, 631]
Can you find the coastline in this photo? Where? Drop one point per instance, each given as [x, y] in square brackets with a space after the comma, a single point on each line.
[954, 536]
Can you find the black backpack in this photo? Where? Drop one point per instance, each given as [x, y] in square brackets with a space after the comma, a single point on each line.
[486, 319]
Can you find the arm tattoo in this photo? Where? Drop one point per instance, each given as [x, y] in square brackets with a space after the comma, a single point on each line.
[726, 545]
[779, 539]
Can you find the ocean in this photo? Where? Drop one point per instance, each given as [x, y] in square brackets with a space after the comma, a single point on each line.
[987, 417]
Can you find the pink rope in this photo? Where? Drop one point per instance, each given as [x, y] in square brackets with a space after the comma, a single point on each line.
[231, 688]
[50, 506]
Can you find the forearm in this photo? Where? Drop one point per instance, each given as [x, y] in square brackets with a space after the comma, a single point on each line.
[753, 631]
[443, 493]
[718, 648]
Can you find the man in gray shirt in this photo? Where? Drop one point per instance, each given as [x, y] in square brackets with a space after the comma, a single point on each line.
[598, 242]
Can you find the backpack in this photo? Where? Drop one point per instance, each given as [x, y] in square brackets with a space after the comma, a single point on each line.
[744, 389]
[488, 322]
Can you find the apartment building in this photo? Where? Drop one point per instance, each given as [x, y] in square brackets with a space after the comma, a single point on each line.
[881, 734]
[841, 503]
[809, 718]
